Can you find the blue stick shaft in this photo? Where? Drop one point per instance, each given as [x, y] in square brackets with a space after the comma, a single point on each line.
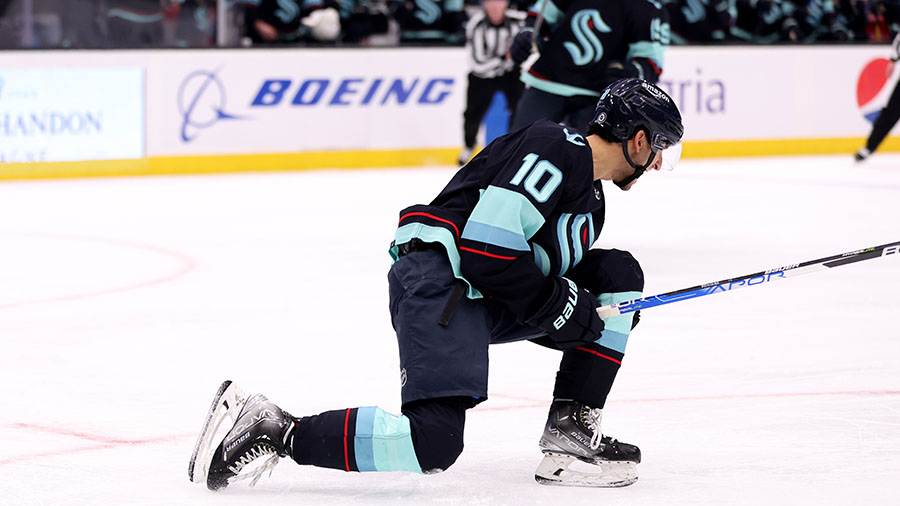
[757, 278]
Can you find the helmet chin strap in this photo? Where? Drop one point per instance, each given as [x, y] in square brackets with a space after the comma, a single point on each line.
[638, 169]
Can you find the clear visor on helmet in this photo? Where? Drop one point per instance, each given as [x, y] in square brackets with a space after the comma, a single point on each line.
[671, 153]
[670, 157]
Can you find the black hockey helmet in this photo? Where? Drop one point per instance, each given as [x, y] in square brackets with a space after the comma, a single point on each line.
[629, 105]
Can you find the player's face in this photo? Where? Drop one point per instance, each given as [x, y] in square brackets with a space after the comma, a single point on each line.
[645, 151]
[640, 151]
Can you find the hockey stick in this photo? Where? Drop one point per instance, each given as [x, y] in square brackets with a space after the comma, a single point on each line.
[757, 278]
[537, 26]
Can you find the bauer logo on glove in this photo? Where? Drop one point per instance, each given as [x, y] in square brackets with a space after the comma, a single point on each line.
[570, 306]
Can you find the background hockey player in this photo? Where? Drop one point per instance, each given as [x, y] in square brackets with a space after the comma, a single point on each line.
[430, 21]
[889, 115]
[585, 45]
[291, 21]
[700, 21]
[502, 254]
[488, 35]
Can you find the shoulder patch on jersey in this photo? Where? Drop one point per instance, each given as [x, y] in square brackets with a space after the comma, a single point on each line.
[575, 138]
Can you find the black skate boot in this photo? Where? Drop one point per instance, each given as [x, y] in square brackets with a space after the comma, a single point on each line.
[260, 428]
[576, 453]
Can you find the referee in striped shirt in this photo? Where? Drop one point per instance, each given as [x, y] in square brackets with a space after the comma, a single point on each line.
[488, 35]
[889, 114]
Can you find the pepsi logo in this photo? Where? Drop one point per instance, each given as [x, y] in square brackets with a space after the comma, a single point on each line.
[873, 88]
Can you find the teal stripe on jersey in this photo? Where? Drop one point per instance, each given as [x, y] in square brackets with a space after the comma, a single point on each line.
[428, 233]
[552, 14]
[507, 210]
[577, 246]
[493, 235]
[563, 239]
[383, 442]
[590, 230]
[616, 328]
[362, 442]
[424, 34]
[651, 50]
[541, 259]
[454, 5]
[560, 89]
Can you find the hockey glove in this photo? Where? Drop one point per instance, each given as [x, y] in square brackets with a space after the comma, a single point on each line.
[618, 70]
[569, 315]
[521, 45]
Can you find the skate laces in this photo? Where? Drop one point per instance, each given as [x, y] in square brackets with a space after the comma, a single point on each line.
[593, 416]
[252, 454]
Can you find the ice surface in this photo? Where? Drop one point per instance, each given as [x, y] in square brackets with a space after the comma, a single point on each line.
[125, 302]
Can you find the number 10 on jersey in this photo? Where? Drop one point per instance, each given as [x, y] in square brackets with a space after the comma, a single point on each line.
[535, 170]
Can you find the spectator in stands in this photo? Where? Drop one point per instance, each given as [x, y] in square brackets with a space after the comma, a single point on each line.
[852, 14]
[361, 19]
[883, 19]
[759, 21]
[291, 21]
[700, 21]
[430, 21]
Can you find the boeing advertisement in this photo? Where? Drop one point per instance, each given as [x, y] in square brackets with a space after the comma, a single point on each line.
[309, 101]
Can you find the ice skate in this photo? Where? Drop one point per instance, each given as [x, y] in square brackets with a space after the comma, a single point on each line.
[465, 155]
[862, 154]
[576, 453]
[259, 428]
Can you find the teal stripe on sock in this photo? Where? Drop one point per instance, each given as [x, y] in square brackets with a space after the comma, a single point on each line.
[362, 443]
[391, 442]
[613, 340]
[616, 328]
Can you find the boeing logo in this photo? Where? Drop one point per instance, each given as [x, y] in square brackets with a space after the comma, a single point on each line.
[354, 91]
[202, 96]
[201, 101]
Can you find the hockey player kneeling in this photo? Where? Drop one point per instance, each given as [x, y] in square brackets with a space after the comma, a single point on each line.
[502, 254]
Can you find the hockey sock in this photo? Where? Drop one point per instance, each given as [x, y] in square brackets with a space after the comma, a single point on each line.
[587, 373]
[437, 430]
[617, 328]
[355, 439]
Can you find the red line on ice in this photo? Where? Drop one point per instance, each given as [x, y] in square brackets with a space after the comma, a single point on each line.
[107, 442]
[94, 437]
[536, 403]
[104, 442]
[187, 265]
[20, 458]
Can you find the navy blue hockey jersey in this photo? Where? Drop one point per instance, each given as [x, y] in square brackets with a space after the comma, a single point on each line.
[525, 208]
[430, 20]
[586, 36]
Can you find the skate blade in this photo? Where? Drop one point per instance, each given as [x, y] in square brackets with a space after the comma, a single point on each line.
[567, 471]
[226, 405]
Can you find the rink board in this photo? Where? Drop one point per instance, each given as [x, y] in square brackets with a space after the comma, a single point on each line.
[200, 111]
